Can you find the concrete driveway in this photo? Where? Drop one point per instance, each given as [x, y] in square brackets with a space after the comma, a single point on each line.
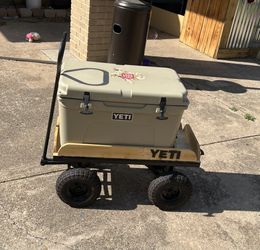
[224, 211]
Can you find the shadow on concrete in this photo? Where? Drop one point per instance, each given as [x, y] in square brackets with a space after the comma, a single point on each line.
[15, 31]
[216, 192]
[156, 34]
[125, 188]
[209, 68]
[227, 86]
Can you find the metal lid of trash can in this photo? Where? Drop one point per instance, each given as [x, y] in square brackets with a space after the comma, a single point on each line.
[133, 4]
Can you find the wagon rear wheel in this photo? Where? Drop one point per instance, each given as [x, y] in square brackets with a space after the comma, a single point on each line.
[170, 192]
[78, 187]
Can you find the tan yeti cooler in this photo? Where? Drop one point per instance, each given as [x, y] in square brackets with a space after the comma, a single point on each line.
[105, 103]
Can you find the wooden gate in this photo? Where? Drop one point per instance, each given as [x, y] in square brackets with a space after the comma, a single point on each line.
[207, 24]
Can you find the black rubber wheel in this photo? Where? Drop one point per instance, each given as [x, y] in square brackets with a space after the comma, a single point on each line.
[170, 192]
[78, 187]
[161, 170]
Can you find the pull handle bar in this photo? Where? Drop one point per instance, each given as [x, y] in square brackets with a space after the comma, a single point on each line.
[54, 97]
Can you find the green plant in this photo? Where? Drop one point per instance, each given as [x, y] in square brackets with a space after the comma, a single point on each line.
[233, 109]
[249, 117]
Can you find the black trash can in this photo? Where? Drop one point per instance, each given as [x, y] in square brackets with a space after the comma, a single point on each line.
[129, 31]
[60, 4]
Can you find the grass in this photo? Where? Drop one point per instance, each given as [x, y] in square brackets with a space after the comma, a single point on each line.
[233, 109]
[249, 117]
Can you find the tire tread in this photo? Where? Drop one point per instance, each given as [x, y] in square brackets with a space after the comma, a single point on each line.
[78, 173]
[177, 178]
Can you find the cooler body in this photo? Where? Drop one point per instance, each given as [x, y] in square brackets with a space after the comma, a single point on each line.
[123, 104]
[121, 125]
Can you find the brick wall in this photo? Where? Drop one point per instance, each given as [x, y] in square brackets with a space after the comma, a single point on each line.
[91, 22]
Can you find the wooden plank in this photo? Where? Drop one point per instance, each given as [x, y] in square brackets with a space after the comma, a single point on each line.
[218, 30]
[189, 22]
[207, 26]
[205, 22]
[188, 149]
[185, 21]
[228, 22]
[192, 140]
[198, 25]
[127, 152]
[56, 144]
[233, 53]
[204, 27]
[213, 20]
[253, 52]
[192, 20]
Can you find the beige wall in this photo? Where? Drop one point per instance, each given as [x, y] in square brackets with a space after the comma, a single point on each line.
[167, 21]
[91, 22]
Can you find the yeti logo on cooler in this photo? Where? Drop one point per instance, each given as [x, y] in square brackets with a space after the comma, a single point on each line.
[122, 117]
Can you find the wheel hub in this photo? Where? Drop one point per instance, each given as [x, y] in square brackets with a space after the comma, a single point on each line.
[170, 193]
[78, 189]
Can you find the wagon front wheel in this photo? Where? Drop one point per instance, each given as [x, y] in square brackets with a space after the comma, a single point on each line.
[78, 187]
[170, 192]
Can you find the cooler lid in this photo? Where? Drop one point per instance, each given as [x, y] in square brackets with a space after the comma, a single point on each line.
[121, 83]
[133, 4]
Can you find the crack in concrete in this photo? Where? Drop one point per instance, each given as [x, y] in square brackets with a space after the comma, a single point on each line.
[44, 238]
[232, 139]
[19, 59]
[26, 231]
[30, 176]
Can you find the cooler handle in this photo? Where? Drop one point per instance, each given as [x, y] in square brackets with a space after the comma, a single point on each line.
[162, 109]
